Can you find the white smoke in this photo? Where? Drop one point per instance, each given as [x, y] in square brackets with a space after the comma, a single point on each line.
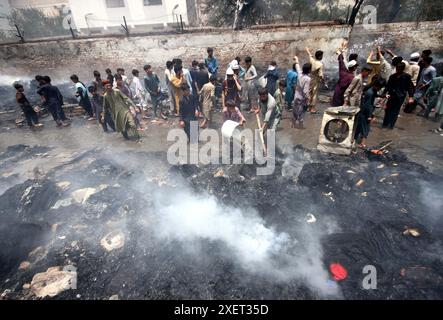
[256, 247]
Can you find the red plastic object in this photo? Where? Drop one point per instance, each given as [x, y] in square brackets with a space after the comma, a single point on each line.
[338, 271]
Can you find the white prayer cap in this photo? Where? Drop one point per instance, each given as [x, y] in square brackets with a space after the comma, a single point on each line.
[234, 65]
[415, 55]
[229, 72]
[351, 64]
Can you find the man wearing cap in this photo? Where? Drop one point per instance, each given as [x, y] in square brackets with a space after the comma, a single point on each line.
[380, 67]
[345, 76]
[231, 89]
[414, 67]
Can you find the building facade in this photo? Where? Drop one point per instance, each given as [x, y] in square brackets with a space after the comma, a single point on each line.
[94, 16]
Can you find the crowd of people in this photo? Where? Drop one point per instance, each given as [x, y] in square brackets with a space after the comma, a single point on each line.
[118, 103]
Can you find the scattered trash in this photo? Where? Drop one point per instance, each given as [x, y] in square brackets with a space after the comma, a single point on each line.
[338, 271]
[24, 265]
[62, 237]
[395, 174]
[311, 218]
[5, 293]
[411, 232]
[62, 203]
[329, 195]
[350, 171]
[382, 179]
[219, 173]
[53, 281]
[113, 240]
[364, 194]
[38, 254]
[81, 195]
[395, 164]
[421, 276]
[403, 210]
[360, 182]
[381, 166]
[63, 185]
[114, 297]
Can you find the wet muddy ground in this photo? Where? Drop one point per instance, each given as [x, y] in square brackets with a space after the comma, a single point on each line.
[218, 231]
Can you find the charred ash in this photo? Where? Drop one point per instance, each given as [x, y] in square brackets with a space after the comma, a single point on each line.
[220, 231]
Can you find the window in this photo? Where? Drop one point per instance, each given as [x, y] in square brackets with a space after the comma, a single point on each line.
[115, 3]
[152, 2]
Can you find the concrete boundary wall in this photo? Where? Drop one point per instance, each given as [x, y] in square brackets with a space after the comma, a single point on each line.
[62, 57]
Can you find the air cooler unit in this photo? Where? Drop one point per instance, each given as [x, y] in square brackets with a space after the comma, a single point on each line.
[337, 130]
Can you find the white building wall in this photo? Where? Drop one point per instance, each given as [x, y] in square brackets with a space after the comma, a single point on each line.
[5, 11]
[95, 14]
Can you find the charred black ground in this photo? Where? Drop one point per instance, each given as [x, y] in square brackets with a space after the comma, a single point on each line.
[365, 220]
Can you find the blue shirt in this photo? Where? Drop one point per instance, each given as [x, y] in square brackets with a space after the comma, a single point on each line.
[212, 65]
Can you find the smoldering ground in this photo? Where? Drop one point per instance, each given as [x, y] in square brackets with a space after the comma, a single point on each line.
[218, 231]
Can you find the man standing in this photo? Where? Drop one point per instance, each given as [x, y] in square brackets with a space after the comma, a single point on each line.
[415, 68]
[211, 62]
[208, 100]
[117, 104]
[103, 118]
[139, 92]
[29, 112]
[109, 76]
[426, 75]
[82, 96]
[53, 99]
[272, 76]
[188, 112]
[301, 98]
[121, 72]
[435, 98]
[398, 86]
[152, 85]
[176, 81]
[291, 82]
[268, 109]
[202, 76]
[193, 72]
[352, 96]
[345, 77]
[250, 76]
[169, 73]
[316, 78]
[98, 83]
[380, 67]
[231, 89]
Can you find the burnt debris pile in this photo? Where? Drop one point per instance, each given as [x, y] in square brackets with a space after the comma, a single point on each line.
[128, 225]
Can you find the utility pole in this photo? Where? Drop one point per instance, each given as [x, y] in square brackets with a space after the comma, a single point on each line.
[19, 34]
[181, 24]
[125, 26]
[70, 29]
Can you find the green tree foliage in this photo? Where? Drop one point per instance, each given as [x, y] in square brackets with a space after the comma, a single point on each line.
[222, 12]
[35, 24]
[407, 11]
